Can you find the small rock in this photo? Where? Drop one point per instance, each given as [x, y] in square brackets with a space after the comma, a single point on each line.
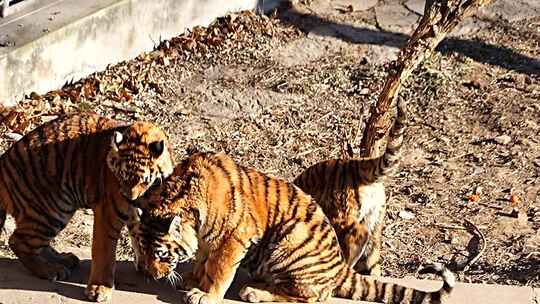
[476, 83]
[357, 5]
[511, 10]
[479, 190]
[416, 6]
[503, 139]
[364, 91]
[406, 215]
[14, 136]
[395, 18]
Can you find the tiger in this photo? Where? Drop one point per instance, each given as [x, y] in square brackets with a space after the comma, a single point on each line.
[78, 161]
[225, 216]
[352, 195]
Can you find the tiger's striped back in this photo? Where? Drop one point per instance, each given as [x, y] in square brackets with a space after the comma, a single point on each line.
[73, 162]
[224, 216]
[351, 193]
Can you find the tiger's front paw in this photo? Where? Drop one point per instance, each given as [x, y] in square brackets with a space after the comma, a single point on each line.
[249, 294]
[98, 293]
[196, 296]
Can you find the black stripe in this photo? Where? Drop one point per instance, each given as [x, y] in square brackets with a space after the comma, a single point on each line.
[32, 201]
[72, 178]
[83, 173]
[211, 230]
[308, 240]
[418, 296]
[278, 212]
[231, 208]
[4, 180]
[435, 297]
[354, 283]
[293, 197]
[355, 181]
[365, 289]
[266, 184]
[123, 216]
[315, 272]
[399, 293]
[42, 181]
[332, 257]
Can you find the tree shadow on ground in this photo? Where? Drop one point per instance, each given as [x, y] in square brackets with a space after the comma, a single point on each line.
[474, 49]
[522, 270]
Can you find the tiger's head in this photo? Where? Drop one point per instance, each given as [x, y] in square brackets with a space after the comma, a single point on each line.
[139, 156]
[161, 243]
[167, 231]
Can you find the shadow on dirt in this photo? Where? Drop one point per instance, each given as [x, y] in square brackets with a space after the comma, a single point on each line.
[15, 277]
[474, 49]
[522, 271]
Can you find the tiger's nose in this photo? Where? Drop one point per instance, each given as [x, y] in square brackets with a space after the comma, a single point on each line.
[155, 269]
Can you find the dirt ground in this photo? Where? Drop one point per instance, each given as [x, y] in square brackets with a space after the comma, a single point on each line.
[282, 93]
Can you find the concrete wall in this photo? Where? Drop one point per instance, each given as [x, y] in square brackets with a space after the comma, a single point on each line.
[51, 52]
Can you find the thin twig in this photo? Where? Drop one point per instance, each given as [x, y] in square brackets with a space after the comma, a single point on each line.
[304, 153]
[474, 229]
[491, 206]
[454, 227]
[528, 256]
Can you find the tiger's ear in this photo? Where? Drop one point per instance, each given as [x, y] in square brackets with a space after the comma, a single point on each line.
[116, 140]
[174, 228]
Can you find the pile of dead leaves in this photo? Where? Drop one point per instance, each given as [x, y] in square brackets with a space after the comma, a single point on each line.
[120, 83]
[223, 35]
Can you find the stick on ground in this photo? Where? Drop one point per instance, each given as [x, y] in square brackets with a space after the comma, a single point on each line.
[472, 228]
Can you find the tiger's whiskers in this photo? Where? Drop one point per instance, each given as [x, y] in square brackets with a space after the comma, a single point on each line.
[174, 278]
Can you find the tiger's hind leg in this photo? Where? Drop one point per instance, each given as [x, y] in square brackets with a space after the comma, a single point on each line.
[264, 292]
[68, 259]
[31, 244]
[353, 239]
[370, 264]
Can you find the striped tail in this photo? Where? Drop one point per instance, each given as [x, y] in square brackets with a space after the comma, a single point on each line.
[363, 288]
[387, 164]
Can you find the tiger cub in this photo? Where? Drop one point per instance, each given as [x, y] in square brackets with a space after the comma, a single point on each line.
[74, 162]
[351, 194]
[225, 216]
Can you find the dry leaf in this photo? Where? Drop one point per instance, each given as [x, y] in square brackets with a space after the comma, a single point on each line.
[473, 198]
[514, 200]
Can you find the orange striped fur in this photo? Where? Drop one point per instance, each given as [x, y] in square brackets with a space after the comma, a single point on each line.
[351, 193]
[75, 162]
[224, 216]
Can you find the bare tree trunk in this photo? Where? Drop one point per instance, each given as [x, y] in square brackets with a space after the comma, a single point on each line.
[440, 18]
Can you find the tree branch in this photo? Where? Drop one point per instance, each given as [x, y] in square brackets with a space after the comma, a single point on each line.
[439, 19]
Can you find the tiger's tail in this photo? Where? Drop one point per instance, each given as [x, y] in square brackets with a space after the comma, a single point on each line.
[352, 285]
[388, 162]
